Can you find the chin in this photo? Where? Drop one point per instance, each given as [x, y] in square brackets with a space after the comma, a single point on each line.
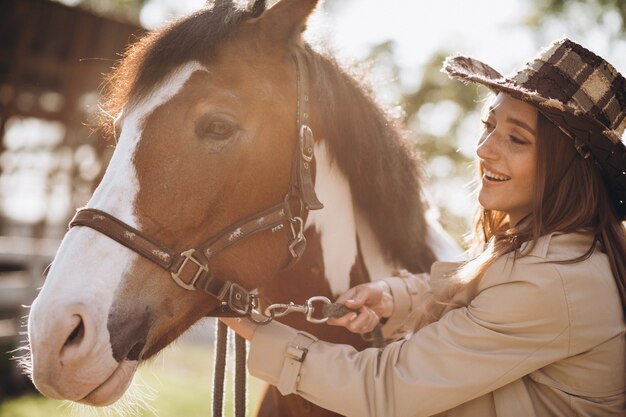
[113, 387]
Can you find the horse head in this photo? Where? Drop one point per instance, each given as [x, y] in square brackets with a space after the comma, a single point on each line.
[207, 134]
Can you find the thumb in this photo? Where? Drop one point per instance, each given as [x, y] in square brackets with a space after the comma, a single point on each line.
[358, 300]
[348, 295]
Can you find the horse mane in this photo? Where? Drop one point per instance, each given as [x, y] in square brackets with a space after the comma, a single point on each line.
[381, 166]
[147, 61]
[367, 144]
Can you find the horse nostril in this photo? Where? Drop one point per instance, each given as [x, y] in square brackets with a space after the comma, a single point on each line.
[76, 336]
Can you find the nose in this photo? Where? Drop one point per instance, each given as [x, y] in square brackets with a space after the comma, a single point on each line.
[488, 146]
[63, 342]
[69, 331]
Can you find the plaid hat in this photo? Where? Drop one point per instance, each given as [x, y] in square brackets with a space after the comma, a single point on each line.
[578, 91]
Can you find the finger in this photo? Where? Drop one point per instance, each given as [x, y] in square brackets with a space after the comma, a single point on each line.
[361, 326]
[362, 294]
[360, 298]
[373, 321]
[365, 321]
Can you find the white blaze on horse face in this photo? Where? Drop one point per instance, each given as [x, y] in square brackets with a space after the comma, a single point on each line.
[89, 266]
[335, 222]
[118, 189]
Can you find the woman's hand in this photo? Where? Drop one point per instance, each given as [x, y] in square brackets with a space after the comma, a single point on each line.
[242, 326]
[371, 301]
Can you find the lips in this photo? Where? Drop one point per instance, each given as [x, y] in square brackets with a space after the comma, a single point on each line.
[113, 387]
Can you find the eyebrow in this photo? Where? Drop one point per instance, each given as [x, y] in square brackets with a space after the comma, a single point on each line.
[522, 124]
[517, 122]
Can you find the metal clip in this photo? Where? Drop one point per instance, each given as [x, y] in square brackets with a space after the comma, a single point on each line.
[298, 244]
[280, 310]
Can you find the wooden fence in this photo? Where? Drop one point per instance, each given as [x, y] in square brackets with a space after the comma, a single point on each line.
[52, 61]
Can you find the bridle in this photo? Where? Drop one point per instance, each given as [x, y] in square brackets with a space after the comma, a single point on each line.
[190, 268]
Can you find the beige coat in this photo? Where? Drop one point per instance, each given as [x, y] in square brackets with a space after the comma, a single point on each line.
[537, 338]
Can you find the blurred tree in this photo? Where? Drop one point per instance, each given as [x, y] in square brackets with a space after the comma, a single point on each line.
[596, 11]
[437, 112]
[449, 169]
[121, 9]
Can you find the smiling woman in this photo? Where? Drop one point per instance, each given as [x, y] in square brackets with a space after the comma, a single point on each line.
[507, 157]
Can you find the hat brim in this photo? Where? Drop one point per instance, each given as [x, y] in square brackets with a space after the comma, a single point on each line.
[471, 70]
[609, 154]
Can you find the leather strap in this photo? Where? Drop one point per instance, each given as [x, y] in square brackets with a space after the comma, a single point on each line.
[304, 155]
[126, 235]
[190, 268]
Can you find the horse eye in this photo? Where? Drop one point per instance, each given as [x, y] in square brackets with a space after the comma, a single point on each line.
[220, 127]
[216, 128]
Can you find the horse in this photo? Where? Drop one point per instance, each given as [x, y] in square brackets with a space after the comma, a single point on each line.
[231, 134]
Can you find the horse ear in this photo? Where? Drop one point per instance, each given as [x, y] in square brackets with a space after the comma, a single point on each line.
[287, 18]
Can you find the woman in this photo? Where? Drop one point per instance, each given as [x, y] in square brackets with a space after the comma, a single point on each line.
[534, 324]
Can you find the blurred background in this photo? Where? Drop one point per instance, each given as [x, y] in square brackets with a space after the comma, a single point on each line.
[53, 55]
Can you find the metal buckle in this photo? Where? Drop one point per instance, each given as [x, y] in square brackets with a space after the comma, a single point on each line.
[296, 352]
[239, 299]
[188, 255]
[306, 140]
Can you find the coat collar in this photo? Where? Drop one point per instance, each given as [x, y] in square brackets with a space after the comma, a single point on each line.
[440, 270]
[576, 242]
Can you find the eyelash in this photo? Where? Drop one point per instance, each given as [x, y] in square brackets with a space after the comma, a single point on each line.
[489, 126]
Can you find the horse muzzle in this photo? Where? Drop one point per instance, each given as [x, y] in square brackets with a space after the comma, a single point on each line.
[72, 357]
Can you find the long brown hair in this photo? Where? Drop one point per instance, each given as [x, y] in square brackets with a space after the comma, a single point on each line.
[569, 196]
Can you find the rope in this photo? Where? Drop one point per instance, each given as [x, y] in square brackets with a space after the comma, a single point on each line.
[240, 376]
[335, 310]
[220, 368]
[339, 310]
[221, 340]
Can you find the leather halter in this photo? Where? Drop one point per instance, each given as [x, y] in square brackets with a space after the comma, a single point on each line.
[190, 268]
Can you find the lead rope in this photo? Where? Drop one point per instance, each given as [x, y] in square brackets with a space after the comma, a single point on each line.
[220, 368]
[333, 310]
[240, 376]
[221, 342]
